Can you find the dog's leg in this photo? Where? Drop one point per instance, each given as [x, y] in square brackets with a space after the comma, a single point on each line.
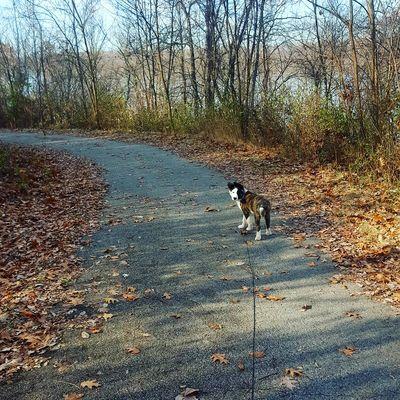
[268, 222]
[244, 223]
[248, 221]
[257, 218]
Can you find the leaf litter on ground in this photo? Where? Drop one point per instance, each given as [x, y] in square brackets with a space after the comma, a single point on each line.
[49, 201]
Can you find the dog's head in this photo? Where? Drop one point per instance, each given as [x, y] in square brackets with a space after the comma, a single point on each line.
[236, 190]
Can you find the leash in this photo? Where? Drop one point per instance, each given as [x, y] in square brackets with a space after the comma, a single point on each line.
[253, 279]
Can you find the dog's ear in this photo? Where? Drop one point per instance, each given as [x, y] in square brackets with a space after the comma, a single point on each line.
[231, 185]
[238, 185]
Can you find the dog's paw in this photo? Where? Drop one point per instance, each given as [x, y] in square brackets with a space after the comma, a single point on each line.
[249, 228]
[268, 232]
[258, 236]
[242, 226]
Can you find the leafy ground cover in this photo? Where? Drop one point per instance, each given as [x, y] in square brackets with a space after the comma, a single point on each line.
[48, 201]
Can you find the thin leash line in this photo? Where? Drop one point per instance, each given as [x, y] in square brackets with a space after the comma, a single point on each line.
[253, 279]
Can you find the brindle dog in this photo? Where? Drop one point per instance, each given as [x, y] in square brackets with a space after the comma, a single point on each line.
[251, 203]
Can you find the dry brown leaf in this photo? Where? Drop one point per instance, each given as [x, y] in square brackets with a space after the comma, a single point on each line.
[176, 316]
[348, 350]
[293, 372]
[306, 307]
[190, 392]
[73, 396]
[240, 365]
[214, 326]
[219, 358]
[312, 264]
[167, 296]
[396, 296]
[133, 350]
[90, 384]
[210, 209]
[130, 296]
[94, 329]
[273, 297]
[257, 354]
[352, 314]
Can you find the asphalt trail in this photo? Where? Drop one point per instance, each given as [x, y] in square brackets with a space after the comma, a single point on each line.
[200, 259]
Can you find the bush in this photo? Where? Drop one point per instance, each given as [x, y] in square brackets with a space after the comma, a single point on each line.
[316, 130]
[149, 120]
[113, 112]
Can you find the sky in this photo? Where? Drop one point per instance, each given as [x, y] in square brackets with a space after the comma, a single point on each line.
[106, 11]
[107, 14]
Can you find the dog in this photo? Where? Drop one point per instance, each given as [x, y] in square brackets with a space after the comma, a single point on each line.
[251, 203]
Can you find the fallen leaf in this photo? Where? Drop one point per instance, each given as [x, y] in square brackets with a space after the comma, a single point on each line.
[219, 358]
[94, 329]
[130, 296]
[352, 314]
[293, 373]
[240, 365]
[214, 326]
[315, 255]
[167, 296]
[396, 296]
[306, 307]
[85, 335]
[190, 392]
[73, 396]
[176, 316]
[107, 316]
[299, 237]
[90, 384]
[210, 209]
[261, 295]
[110, 300]
[133, 350]
[312, 264]
[273, 297]
[348, 350]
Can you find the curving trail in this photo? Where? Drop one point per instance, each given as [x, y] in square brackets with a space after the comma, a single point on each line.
[168, 243]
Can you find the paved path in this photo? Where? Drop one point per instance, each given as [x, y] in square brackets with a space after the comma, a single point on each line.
[189, 253]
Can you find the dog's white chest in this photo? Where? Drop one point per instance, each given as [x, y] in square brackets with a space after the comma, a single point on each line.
[238, 204]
